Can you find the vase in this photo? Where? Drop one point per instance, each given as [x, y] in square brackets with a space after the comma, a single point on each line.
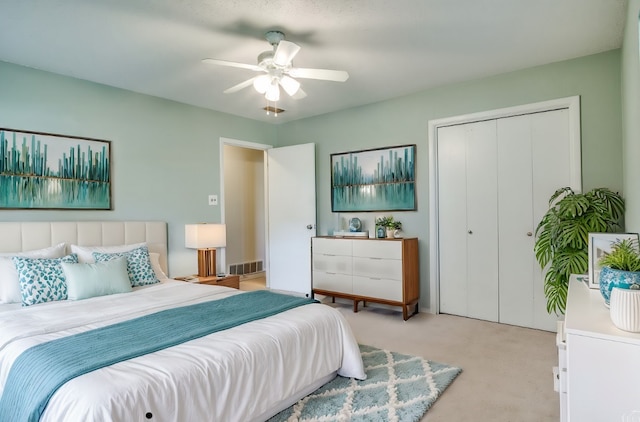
[380, 232]
[391, 233]
[610, 278]
[624, 309]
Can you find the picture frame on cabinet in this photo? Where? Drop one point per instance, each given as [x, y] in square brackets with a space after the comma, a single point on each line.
[601, 244]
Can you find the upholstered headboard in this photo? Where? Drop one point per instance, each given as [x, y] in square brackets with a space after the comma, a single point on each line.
[25, 236]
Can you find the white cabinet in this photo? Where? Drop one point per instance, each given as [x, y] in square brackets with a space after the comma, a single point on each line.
[603, 369]
[494, 181]
[367, 270]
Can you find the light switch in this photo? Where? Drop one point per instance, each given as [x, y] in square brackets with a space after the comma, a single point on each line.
[213, 199]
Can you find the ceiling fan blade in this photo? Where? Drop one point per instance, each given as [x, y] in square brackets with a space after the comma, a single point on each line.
[240, 86]
[253, 67]
[285, 53]
[299, 95]
[290, 85]
[323, 74]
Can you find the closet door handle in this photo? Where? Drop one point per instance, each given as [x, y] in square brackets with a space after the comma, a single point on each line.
[470, 232]
[529, 234]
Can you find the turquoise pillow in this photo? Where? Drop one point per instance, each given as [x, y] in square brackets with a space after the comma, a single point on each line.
[138, 265]
[98, 279]
[42, 279]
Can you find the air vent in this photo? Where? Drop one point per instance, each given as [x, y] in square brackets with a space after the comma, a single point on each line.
[273, 110]
[246, 268]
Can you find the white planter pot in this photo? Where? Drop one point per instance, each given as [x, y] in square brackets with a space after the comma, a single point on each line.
[625, 309]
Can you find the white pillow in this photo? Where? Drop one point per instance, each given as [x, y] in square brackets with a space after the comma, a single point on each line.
[155, 264]
[97, 279]
[85, 253]
[9, 281]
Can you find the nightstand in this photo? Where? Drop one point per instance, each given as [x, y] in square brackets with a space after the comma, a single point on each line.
[227, 281]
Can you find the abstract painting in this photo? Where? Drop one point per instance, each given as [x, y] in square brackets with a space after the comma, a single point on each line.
[49, 171]
[374, 180]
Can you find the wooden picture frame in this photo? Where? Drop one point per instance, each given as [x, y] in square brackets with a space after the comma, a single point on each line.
[380, 179]
[599, 245]
[41, 170]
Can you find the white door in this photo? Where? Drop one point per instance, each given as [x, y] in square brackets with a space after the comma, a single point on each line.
[494, 181]
[467, 201]
[291, 217]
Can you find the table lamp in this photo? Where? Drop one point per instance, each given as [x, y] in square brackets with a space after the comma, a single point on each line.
[205, 238]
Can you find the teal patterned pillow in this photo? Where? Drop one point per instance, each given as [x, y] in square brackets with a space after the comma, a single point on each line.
[42, 279]
[138, 265]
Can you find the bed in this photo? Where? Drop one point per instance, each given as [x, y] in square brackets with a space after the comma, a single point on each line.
[247, 372]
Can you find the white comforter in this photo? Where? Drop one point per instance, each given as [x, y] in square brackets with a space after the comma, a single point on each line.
[242, 374]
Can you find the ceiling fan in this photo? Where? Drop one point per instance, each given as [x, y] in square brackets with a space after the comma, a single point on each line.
[276, 67]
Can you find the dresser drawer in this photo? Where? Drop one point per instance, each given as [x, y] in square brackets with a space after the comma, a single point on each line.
[332, 263]
[378, 249]
[376, 267]
[340, 283]
[378, 288]
[331, 246]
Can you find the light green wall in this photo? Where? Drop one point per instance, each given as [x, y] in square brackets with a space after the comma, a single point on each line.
[165, 154]
[405, 121]
[631, 117]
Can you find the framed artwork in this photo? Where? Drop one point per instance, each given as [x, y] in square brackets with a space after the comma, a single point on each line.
[49, 171]
[382, 179]
[600, 244]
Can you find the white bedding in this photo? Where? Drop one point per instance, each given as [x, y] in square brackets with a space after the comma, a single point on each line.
[242, 374]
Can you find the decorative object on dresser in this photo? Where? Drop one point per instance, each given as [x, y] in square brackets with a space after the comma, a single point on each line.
[620, 267]
[625, 308]
[601, 244]
[391, 226]
[49, 171]
[562, 236]
[226, 281]
[368, 270]
[205, 238]
[380, 179]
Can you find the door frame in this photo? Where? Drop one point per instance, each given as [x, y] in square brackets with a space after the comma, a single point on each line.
[249, 145]
[572, 104]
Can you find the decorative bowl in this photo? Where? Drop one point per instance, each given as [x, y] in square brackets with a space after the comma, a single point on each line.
[610, 278]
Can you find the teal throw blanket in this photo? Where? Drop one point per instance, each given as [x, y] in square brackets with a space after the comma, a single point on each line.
[40, 370]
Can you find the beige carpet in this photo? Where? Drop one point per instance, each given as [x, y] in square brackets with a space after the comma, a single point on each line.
[506, 377]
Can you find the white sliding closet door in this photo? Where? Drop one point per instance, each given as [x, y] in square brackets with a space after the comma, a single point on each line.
[467, 192]
[515, 184]
[495, 178]
[551, 156]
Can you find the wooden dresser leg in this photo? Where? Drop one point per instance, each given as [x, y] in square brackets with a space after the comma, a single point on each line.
[355, 305]
[405, 315]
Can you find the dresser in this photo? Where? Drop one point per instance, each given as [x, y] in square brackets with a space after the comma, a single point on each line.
[368, 270]
[602, 367]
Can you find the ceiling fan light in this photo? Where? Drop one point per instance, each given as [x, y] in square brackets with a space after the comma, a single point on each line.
[273, 92]
[261, 83]
[290, 85]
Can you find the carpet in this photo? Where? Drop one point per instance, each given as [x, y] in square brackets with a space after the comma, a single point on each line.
[398, 388]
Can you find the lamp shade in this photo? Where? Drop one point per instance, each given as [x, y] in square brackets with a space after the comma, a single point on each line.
[205, 235]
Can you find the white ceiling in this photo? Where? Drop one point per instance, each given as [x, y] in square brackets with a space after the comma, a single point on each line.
[389, 48]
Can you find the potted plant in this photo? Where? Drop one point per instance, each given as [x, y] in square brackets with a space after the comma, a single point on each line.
[562, 236]
[389, 224]
[620, 267]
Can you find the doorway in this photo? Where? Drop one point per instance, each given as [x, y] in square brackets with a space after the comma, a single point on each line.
[242, 184]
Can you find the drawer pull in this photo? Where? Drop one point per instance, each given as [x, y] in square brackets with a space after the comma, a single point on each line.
[374, 278]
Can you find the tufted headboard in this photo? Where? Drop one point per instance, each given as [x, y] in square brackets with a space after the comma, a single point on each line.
[25, 236]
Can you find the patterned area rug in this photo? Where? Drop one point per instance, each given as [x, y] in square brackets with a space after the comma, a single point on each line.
[398, 388]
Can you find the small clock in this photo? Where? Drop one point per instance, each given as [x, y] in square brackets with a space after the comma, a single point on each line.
[355, 224]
